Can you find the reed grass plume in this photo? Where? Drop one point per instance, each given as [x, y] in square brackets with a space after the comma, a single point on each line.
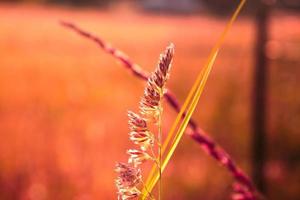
[129, 180]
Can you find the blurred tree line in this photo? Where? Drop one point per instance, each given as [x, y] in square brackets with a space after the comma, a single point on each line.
[216, 6]
[69, 2]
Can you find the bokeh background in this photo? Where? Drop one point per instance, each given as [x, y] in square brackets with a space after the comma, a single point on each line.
[63, 101]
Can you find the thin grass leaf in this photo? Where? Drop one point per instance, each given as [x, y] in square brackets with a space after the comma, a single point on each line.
[194, 94]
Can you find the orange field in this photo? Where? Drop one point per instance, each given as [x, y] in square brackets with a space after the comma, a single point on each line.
[63, 101]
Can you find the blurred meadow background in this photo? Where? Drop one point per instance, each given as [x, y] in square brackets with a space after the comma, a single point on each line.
[63, 101]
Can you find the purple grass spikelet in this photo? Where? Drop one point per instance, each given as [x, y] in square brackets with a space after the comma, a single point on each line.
[127, 181]
[139, 133]
[137, 157]
[155, 88]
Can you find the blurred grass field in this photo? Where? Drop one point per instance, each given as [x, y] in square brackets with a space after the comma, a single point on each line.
[63, 101]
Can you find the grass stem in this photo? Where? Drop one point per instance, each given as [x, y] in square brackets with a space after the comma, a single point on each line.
[159, 124]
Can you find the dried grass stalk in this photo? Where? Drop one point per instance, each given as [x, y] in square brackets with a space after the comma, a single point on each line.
[129, 174]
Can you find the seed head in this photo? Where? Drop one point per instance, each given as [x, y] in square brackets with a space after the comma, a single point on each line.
[130, 176]
[155, 88]
[127, 195]
[139, 133]
[137, 157]
[127, 181]
[136, 122]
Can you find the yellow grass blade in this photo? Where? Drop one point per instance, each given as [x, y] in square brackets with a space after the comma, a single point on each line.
[190, 102]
